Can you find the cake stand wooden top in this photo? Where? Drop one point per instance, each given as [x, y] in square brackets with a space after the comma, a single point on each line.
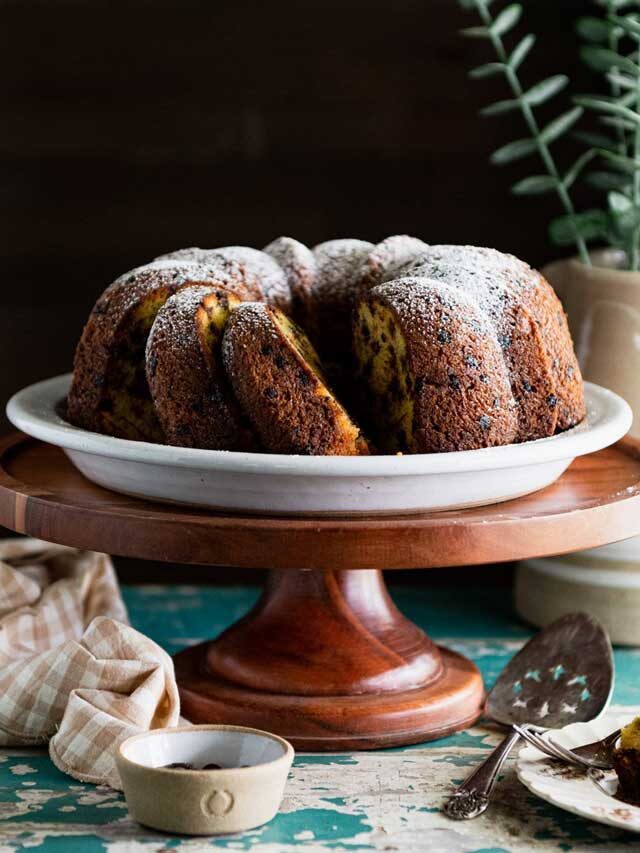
[597, 501]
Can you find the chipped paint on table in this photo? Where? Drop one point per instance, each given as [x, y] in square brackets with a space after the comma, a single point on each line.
[385, 800]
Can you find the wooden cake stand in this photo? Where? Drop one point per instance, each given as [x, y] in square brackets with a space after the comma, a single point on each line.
[325, 658]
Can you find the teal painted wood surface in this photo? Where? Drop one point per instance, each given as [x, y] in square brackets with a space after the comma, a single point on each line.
[385, 800]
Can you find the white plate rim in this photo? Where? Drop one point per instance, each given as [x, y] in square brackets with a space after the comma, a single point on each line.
[601, 726]
[32, 410]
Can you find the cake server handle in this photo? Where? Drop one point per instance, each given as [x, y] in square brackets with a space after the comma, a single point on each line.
[471, 798]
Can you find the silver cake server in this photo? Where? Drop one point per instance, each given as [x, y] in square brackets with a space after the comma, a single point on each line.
[562, 675]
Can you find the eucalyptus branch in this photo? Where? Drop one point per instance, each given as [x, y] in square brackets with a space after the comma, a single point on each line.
[541, 138]
[623, 112]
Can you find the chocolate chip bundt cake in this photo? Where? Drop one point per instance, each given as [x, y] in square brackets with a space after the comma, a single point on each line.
[435, 348]
[109, 392]
[278, 380]
[188, 384]
[436, 372]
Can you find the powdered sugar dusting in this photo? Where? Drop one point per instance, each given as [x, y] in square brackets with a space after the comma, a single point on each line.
[339, 263]
[298, 263]
[132, 286]
[421, 301]
[273, 280]
[174, 322]
[489, 277]
[388, 258]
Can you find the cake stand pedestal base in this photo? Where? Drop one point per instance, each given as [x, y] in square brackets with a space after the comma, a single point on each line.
[326, 660]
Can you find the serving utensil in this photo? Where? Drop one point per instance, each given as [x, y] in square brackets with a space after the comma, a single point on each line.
[562, 675]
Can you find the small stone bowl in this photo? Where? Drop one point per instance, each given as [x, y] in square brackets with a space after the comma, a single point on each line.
[246, 792]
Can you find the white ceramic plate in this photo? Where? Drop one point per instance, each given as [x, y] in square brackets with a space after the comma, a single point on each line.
[299, 485]
[572, 789]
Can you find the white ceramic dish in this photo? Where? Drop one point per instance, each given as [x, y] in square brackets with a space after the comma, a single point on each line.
[571, 789]
[246, 791]
[298, 485]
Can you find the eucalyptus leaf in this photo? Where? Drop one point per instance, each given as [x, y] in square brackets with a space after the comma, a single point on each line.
[594, 139]
[628, 100]
[606, 180]
[513, 151]
[487, 70]
[546, 89]
[593, 29]
[591, 225]
[619, 204]
[620, 123]
[520, 51]
[630, 26]
[616, 4]
[560, 125]
[572, 174]
[535, 185]
[476, 33]
[620, 161]
[604, 59]
[506, 19]
[605, 106]
[499, 108]
[473, 4]
[625, 215]
[621, 80]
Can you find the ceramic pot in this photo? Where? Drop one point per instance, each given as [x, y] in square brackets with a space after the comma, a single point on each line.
[603, 306]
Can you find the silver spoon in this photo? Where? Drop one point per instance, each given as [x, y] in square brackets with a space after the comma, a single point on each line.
[562, 675]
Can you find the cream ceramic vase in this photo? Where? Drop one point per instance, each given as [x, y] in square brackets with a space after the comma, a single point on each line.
[603, 305]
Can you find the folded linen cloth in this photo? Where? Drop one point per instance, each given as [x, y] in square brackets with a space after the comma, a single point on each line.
[72, 671]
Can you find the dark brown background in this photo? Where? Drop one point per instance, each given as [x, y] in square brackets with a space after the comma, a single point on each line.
[134, 128]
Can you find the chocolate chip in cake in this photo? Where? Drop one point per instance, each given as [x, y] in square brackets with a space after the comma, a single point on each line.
[454, 382]
[443, 336]
[504, 341]
[265, 349]
[280, 362]
[470, 361]
[484, 421]
[552, 401]
[271, 393]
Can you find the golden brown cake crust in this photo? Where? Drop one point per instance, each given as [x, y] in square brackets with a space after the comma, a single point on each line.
[281, 390]
[532, 297]
[189, 388]
[484, 275]
[439, 353]
[299, 265]
[265, 277]
[387, 259]
[110, 355]
[246, 278]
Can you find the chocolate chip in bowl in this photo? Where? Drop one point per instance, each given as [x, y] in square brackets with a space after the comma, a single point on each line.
[204, 780]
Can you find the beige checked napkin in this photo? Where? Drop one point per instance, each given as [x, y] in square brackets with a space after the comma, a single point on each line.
[72, 671]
